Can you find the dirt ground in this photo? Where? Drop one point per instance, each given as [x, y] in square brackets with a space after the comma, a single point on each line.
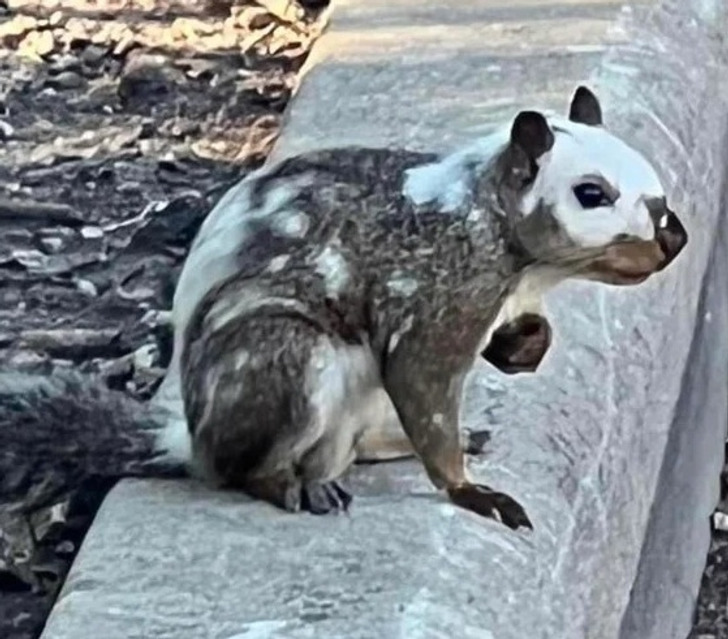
[711, 615]
[121, 123]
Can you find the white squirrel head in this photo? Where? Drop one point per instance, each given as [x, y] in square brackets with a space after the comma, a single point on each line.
[585, 196]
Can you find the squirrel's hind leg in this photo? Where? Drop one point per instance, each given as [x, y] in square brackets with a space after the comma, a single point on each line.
[276, 406]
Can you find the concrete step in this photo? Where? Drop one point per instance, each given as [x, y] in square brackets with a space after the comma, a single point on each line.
[431, 75]
[614, 458]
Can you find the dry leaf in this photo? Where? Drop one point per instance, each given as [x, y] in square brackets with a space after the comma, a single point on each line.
[285, 10]
[254, 38]
[18, 26]
[37, 44]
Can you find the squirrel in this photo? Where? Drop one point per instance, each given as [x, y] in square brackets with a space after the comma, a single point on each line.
[339, 289]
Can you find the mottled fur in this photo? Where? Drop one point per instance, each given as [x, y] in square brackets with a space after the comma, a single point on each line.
[338, 294]
[349, 286]
[354, 284]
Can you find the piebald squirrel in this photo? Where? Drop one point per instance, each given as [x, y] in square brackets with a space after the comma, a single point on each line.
[340, 289]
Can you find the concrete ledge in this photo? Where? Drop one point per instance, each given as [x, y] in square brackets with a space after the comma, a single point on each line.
[582, 444]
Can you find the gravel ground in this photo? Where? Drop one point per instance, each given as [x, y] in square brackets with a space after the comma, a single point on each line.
[121, 123]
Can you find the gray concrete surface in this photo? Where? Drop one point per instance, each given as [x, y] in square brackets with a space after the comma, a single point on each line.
[434, 74]
[581, 444]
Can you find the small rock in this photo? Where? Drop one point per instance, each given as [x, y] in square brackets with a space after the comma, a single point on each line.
[56, 19]
[24, 360]
[720, 521]
[146, 76]
[179, 127]
[33, 260]
[117, 373]
[93, 55]
[145, 356]
[54, 239]
[129, 187]
[51, 245]
[37, 44]
[92, 232]
[64, 62]
[87, 287]
[49, 522]
[10, 297]
[66, 80]
[6, 130]
[65, 548]
[154, 318]
[18, 239]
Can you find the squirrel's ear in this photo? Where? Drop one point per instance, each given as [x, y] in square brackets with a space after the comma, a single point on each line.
[531, 137]
[585, 108]
[531, 134]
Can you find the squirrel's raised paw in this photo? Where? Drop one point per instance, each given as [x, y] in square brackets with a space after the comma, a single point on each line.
[486, 502]
[520, 345]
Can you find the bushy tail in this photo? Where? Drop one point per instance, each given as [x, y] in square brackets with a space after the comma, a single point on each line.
[59, 430]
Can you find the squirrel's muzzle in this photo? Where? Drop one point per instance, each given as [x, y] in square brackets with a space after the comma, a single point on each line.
[631, 261]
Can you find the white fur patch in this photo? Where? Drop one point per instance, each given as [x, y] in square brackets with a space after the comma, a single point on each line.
[212, 381]
[175, 440]
[588, 150]
[212, 258]
[446, 182]
[582, 150]
[229, 309]
[331, 265]
[225, 229]
[345, 391]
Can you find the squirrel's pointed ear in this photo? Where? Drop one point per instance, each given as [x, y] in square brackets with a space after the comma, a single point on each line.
[531, 134]
[585, 108]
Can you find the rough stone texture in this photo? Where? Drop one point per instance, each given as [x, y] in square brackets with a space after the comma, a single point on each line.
[581, 444]
[434, 74]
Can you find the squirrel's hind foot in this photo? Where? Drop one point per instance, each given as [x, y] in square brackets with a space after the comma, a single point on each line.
[322, 498]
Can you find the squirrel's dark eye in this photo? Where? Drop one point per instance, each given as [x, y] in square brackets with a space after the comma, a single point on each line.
[591, 195]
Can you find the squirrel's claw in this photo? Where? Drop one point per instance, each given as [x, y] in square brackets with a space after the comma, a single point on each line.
[487, 503]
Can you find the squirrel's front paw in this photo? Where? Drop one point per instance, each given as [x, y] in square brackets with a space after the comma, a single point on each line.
[520, 345]
[486, 502]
